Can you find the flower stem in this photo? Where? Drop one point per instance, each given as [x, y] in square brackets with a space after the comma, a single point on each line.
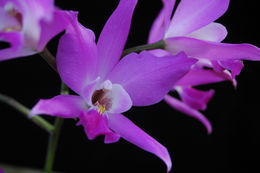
[52, 146]
[49, 58]
[157, 45]
[54, 137]
[24, 110]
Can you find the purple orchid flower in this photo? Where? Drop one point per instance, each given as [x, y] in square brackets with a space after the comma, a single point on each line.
[199, 37]
[28, 25]
[1, 170]
[108, 86]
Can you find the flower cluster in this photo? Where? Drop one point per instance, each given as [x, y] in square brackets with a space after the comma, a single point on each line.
[107, 83]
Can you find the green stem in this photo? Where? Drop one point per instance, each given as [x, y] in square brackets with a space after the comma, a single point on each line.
[157, 45]
[24, 110]
[49, 58]
[54, 137]
[52, 146]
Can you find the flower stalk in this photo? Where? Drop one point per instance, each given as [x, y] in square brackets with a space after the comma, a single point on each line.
[24, 110]
[157, 45]
[54, 137]
[49, 58]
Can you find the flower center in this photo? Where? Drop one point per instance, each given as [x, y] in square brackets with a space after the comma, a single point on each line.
[13, 19]
[102, 100]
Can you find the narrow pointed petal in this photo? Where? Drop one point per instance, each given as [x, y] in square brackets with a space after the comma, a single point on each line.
[192, 15]
[162, 21]
[133, 134]
[16, 49]
[197, 77]
[212, 50]
[65, 106]
[182, 107]
[95, 125]
[194, 98]
[211, 32]
[77, 55]
[147, 78]
[114, 35]
[51, 28]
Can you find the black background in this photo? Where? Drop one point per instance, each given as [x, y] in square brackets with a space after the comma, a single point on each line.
[233, 146]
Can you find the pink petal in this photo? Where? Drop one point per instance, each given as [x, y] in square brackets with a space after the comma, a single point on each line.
[182, 107]
[194, 98]
[113, 36]
[162, 21]
[211, 32]
[77, 55]
[192, 15]
[200, 77]
[147, 78]
[17, 49]
[121, 100]
[212, 50]
[51, 28]
[65, 106]
[95, 125]
[133, 134]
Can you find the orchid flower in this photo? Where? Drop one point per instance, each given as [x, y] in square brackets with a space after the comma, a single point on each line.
[28, 25]
[192, 29]
[108, 86]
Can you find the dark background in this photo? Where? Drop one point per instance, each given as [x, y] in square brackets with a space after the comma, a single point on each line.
[233, 146]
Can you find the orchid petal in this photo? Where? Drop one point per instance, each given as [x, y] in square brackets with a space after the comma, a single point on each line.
[114, 35]
[182, 107]
[162, 21]
[77, 55]
[95, 124]
[211, 32]
[65, 106]
[51, 28]
[121, 100]
[147, 78]
[16, 49]
[133, 134]
[194, 98]
[192, 15]
[197, 77]
[235, 66]
[212, 50]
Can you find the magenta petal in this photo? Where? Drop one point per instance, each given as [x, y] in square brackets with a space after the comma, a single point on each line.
[77, 55]
[199, 77]
[235, 66]
[95, 124]
[162, 21]
[182, 107]
[147, 78]
[211, 32]
[17, 49]
[65, 106]
[113, 36]
[51, 28]
[133, 134]
[212, 50]
[194, 98]
[191, 15]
